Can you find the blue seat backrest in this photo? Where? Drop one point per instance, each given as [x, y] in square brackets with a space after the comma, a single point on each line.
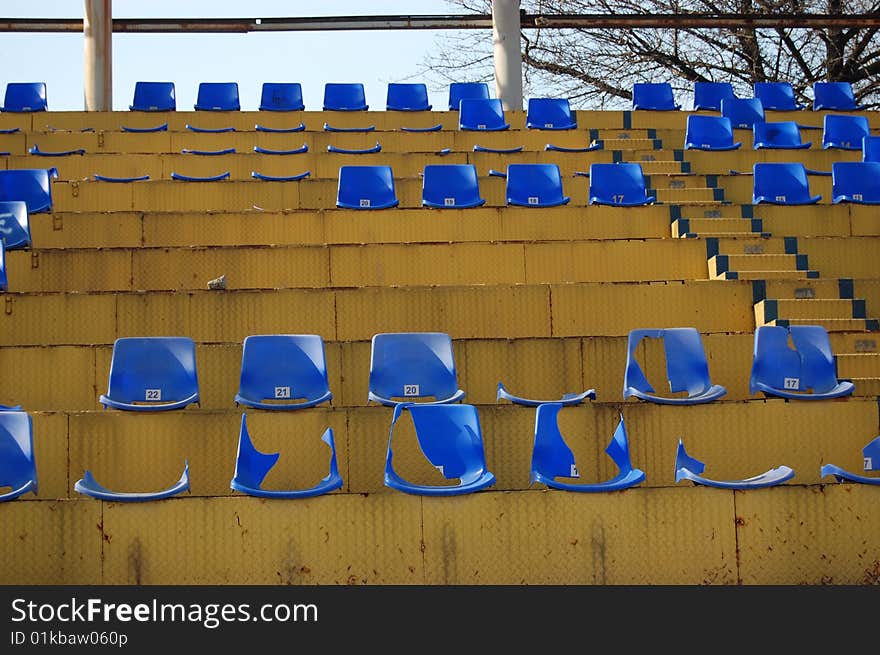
[281, 96]
[344, 97]
[154, 96]
[778, 96]
[743, 112]
[783, 183]
[458, 91]
[617, 183]
[15, 229]
[550, 114]
[160, 369]
[413, 365]
[365, 187]
[871, 148]
[451, 438]
[4, 282]
[818, 371]
[686, 364]
[708, 132]
[857, 181]
[708, 95]
[407, 97]
[550, 454]
[451, 185]
[834, 95]
[481, 114]
[781, 134]
[25, 97]
[653, 95]
[774, 363]
[844, 132]
[283, 367]
[30, 185]
[17, 465]
[534, 184]
[218, 96]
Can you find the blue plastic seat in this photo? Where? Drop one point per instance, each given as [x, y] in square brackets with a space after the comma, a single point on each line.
[88, 486]
[451, 439]
[686, 368]
[485, 115]
[806, 371]
[18, 469]
[782, 184]
[689, 468]
[282, 368]
[281, 96]
[451, 186]
[777, 96]
[871, 148]
[407, 97]
[871, 456]
[15, 231]
[152, 374]
[154, 96]
[836, 96]
[535, 185]
[344, 97]
[459, 91]
[552, 458]
[708, 95]
[844, 132]
[31, 185]
[366, 187]
[413, 366]
[782, 135]
[653, 96]
[621, 185]
[22, 97]
[4, 282]
[252, 466]
[550, 114]
[709, 133]
[218, 96]
[567, 399]
[855, 181]
[743, 112]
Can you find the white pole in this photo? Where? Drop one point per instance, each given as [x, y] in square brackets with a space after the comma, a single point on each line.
[98, 55]
[508, 58]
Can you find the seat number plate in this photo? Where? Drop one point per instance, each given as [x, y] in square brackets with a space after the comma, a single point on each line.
[153, 394]
[791, 383]
[282, 392]
[411, 390]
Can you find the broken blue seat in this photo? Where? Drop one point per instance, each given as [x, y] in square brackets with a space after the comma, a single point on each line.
[781, 135]
[4, 282]
[451, 186]
[88, 486]
[708, 95]
[709, 133]
[25, 97]
[18, 469]
[152, 374]
[30, 185]
[281, 96]
[567, 399]
[15, 231]
[781, 184]
[485, 115]
[552, 458]
[871, 458]
[550, 114]
[689, 468]
[871, 148]
[458, 91]
[218, 96]
[154, 96]
[621, 185]
[413, 366]
[252, 466]
[834, 96]
[366, 187]
[855, 181]
[451, 440]
[777, 96]
[686, 368]
[743, 112]
[535, 185]
[278, 369]
[844, 132]
[407, 97]
[344, 97]
[806, 371]
[653, 96]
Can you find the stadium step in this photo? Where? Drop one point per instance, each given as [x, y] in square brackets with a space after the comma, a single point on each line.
[721, 264]
[767, 311]
[716, 227]
[858, 365]
[687, 196]
[832, 324]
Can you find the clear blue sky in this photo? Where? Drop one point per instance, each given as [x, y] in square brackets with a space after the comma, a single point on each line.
[311, 58]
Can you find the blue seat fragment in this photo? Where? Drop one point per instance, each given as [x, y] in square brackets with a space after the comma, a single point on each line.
[15, 230]
[871, 455]
[88, 486]
[567, 399]
[689, 468]
[18, 469]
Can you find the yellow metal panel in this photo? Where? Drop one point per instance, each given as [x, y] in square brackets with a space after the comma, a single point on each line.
[93, 197]
[751, 243]
[858, 365]
[740, 440]
[79, 167]
[609, 309]
[238, 165]
[354, 365]
[531, 368]
[853, 258]
[226, 316]
[486, 161]
[219, 369]
[863, 221]
[51, 543]
[48, 378]
[738, 188]
[15, 144]
[336, 539]
[806, 220]
[22, 121]
[368, 430]
[441, 264]
[63, 141]
[106, 230]
[601, 119]
[50, 454]
[69, 270]
[241, 141]
[462, 312]
[244, 268]
[613, 261]
[171, 195]
[870, 291]
[228, 229]
[813, 308]
[730, 362]
[319, 194]
[604, 364]
[129, 142]
[414, 225]
[673, 536]
[404, 164]
[34, 320]
[594, 222]
[808, 535]
[669, 120]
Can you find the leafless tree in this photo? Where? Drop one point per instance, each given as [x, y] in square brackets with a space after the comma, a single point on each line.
[597, 67]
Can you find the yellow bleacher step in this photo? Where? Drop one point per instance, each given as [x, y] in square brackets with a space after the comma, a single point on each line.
[830, 324]
[770, 310]
[687, 196]
[764, 275]
[714, 227]
[865, 387]
[720, 264]
[858, 365]
[660, 167]
[827, 289]
[631, 144]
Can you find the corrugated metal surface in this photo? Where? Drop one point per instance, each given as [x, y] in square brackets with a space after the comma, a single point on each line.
[35, 320]
[48, 378]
